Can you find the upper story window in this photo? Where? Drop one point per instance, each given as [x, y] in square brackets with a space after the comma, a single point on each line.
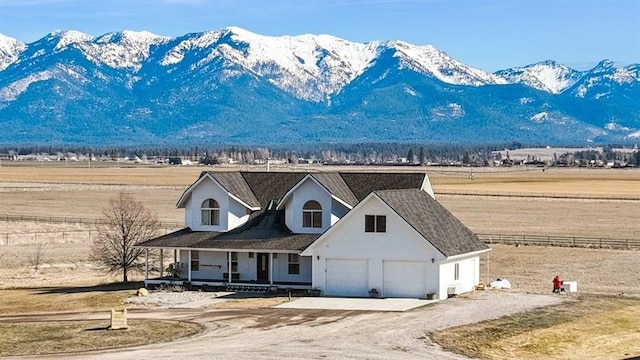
[312, 214]
[210, 212]
[375, 223]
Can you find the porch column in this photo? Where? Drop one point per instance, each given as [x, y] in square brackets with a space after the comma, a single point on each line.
[161, 263]
[229, 266]
[189, 263]
[146, 263]
[271, 268]
[175, 256]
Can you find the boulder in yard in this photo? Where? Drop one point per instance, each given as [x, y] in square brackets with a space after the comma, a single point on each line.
[142, 292]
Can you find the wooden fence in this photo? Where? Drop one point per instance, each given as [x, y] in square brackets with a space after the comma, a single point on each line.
[52, 237]
[565, 241]
[541, 195]
[69, 220]
[46, 237]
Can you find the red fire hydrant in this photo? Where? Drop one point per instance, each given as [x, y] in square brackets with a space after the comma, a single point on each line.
[557, 284]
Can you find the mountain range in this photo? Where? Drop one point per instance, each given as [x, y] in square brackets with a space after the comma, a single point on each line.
[232, 86]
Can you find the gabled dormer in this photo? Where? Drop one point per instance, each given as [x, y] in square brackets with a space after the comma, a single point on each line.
[217, 202]
[315, 203]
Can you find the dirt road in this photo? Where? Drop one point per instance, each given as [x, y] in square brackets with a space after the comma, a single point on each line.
[286, 333]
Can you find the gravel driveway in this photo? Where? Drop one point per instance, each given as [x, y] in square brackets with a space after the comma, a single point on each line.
[313, 334]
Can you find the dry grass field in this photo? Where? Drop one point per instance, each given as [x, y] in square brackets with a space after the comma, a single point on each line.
[80, 193]
[587, 326]
[37, 338]
[75, 193]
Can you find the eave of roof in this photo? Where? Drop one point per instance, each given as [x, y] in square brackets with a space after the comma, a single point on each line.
[265, 231]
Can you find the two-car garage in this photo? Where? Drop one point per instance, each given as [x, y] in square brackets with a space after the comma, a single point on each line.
[392, 278]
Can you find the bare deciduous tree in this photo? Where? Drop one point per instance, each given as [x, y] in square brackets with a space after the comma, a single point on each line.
[128, 224]
[36, 257]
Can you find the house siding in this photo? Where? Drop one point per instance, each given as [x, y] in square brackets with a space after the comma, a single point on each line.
[232, 213]
[337, 211]
[308, 190]
[214, 264]
[469, 270]
[281, 269]
[400, 242]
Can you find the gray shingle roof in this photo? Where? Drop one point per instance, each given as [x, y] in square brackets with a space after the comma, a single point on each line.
[362, 184]
[266, 231]
[433, 221]
[234, 183]
[336, 185]
[267, 186]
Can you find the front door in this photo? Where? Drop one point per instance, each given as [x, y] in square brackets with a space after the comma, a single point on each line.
[263, 267]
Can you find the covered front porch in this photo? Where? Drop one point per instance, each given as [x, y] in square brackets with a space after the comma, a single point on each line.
[237, 270]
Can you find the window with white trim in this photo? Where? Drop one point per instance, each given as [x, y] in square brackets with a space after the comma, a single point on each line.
[195, 260]
[234, 262]
[312, 214]
[210, 212]
[375, 223]
[294, 264]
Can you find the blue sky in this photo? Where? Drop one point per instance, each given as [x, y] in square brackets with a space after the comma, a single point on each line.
[489, 34]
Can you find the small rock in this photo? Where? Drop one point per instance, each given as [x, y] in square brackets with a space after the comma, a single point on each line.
[142, 292]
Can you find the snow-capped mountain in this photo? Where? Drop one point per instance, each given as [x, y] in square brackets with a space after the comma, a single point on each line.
[119, 50]
[237, 86]
[314, 67]
[10, 50]
[547, 76]
[605, 78]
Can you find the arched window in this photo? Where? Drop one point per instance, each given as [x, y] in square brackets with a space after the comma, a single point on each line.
[210, 212]
[312, 214]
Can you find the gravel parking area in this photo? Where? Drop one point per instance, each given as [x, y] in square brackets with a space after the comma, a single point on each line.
[271, 333]
[177, 300]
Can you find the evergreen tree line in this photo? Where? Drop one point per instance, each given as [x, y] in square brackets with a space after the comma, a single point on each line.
[356, 153]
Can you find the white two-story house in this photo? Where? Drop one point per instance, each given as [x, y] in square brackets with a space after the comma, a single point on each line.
[344, 234]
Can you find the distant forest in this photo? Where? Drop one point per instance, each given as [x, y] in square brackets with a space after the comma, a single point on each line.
[362, 153]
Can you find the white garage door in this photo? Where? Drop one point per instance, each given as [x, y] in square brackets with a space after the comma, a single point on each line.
[404, 278]
[347, 277]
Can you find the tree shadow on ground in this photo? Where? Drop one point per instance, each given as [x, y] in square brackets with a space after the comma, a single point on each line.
[134, 285]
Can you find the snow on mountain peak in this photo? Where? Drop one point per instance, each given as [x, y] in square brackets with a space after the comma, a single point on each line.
[128, 36]
[314, 67]
[604, 65]
[428, 59]
[10, 50]
[70, 37]
[547, 76]
[310, 66]
[122, 50]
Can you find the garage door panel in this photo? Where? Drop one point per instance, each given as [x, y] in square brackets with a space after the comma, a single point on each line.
[404, 278]
[347, 277]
